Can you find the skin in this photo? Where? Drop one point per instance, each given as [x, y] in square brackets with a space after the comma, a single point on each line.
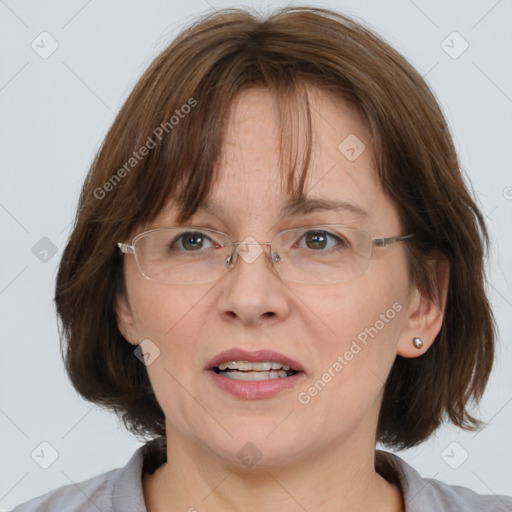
[318, 456]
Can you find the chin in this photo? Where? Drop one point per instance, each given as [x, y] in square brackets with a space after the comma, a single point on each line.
[260, 445]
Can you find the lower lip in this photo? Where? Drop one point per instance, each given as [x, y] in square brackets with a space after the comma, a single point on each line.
[258, 389]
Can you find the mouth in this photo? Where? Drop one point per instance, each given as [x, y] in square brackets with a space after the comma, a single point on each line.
[254, 375]
[254, 371]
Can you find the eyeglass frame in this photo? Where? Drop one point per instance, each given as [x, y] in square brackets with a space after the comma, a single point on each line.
[128, 247]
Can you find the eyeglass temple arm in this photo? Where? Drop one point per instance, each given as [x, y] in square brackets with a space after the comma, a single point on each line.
[382, 242]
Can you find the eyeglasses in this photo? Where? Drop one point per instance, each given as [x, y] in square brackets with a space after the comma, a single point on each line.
[323, 254]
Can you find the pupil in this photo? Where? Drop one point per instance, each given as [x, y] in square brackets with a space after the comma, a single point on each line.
[314, 239]
[193, 241]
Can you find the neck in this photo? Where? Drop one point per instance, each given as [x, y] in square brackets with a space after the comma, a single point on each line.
[342, 480]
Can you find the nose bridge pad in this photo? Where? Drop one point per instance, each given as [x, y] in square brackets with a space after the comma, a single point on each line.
[229, 263]
[232, 259]
[273, 259]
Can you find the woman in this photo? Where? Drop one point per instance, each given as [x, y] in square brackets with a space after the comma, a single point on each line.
[275, 264]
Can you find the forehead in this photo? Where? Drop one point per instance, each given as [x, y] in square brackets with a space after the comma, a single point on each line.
[249, 165]
[250, 180]
[341, 147]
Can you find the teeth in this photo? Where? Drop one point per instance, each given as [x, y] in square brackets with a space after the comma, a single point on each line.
[259, 375]
[265, 366]
[247, 366]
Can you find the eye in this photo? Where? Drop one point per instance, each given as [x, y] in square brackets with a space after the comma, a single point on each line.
[319, 239]
[190, 241]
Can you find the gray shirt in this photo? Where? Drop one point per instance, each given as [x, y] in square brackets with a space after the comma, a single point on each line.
[120, 490]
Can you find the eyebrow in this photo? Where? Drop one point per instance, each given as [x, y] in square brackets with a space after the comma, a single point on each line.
[303, 206]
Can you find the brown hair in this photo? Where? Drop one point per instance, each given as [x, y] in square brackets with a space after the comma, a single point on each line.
[204, 67]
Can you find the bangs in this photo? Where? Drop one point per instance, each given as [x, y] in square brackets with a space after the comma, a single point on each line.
[182, 168]
[188, 169]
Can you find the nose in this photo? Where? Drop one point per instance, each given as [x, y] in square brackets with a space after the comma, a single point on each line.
[253, 291]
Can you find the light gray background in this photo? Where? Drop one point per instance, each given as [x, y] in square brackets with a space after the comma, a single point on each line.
[56, 111]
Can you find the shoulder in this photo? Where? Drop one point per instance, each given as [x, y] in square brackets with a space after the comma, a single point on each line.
[92, 494]
[421, 494]
[118, 489]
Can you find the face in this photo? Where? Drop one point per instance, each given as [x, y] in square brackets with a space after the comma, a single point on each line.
[343, 337]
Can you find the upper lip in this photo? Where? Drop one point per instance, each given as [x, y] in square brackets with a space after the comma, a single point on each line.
[239, 354]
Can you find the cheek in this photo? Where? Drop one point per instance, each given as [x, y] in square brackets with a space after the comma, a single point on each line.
[355, 356]
[161, 311]
[358, 310]
[172, 318]
[362, 321]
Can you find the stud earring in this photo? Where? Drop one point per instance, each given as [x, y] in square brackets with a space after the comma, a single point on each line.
[417, 342]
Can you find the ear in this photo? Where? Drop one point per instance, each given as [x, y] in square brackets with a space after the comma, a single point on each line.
[424, 315]
[125, 321]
